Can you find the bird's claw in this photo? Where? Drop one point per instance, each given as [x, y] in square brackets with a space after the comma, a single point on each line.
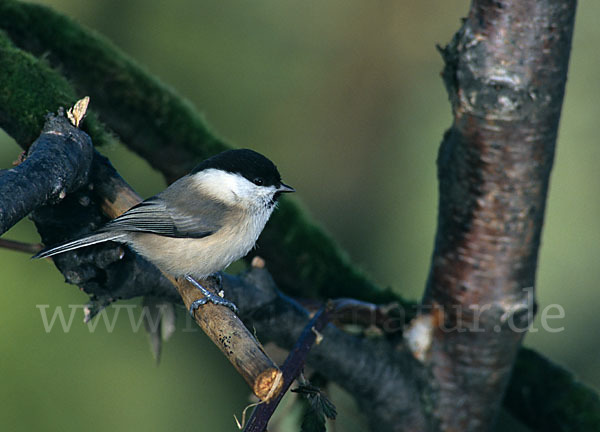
[215, 299]
[209, 297]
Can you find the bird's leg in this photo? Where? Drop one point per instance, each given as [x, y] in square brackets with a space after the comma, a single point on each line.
[209, 296]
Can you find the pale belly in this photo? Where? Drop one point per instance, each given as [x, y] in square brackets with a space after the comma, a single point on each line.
[197, 257]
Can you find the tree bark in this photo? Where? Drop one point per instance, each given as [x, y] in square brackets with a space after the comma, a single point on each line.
[43, 178]
[505, 73]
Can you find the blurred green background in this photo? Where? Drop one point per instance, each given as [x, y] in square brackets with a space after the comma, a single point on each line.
[346, 97]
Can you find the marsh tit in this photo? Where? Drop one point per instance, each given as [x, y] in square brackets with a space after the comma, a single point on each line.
[202, 222]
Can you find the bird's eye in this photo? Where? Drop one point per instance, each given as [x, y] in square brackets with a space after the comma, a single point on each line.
[258, 181]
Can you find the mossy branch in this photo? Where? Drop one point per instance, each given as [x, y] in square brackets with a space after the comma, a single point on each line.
[24, 109]
[150, 118]
[546, 397]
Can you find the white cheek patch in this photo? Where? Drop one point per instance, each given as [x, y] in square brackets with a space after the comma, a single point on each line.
[232, 188]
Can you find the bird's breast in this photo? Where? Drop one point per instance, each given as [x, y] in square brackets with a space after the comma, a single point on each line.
[200, 257]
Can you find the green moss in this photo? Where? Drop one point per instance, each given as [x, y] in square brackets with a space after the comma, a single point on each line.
[547, 397]
[311, 255]
[29, 89]
[148, 116]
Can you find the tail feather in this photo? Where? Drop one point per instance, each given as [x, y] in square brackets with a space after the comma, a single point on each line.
[79, 243]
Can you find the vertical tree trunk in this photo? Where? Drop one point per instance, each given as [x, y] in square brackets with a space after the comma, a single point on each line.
[505, 73]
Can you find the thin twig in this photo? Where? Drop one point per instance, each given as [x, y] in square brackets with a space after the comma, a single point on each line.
[30, 248]
[293, 365]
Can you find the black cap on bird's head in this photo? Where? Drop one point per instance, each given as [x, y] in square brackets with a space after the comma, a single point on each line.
[249, 164]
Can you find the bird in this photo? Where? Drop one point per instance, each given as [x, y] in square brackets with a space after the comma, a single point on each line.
[201, 223]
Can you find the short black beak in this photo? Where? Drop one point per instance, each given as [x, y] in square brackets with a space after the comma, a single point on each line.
[283, 188]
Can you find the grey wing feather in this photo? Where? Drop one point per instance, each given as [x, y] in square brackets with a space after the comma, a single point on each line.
[174, 220]
[79, 243]
[185, 216]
